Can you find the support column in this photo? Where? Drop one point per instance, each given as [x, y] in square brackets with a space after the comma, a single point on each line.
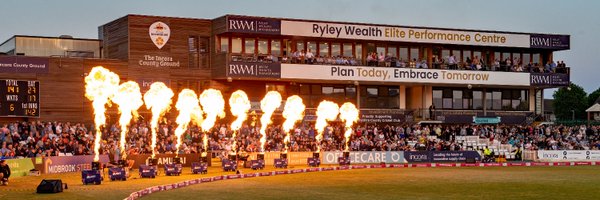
[402, 97]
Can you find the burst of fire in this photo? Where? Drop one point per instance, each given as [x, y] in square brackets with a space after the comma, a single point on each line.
[158, 100]
[129, 99]
[100, 85]
[240, 105]
[214, 106]
[348, 115]
[292, 112]
[326, 111]
[268, 105]
[187, 104]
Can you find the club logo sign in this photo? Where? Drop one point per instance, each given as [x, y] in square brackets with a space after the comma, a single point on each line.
[159, 34]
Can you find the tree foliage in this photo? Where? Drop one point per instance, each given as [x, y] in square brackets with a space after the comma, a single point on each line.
[569, 99]
[593, 97]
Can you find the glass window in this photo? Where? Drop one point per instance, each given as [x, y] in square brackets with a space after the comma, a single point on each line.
[324, 49]
[536, 58]
[312, 47]
[497, 56]
[505, 56]
[456, 54]
[437, 98]
[477, 55]
[305, 89]
[488, 100]
[335, 49]
[316, 89]
[445, 54]
[300, 46]
[347, 49]
[404, 53]
[358, 51]
[393, 91]
[327, 90]
[466, 54]
[457, 99]
[351, 92]
[224, 44]
[414, 53]
[276, 47]
[250, 45]
[477, 100]
[236, 45]
[392, 51]
[526, 58]
[372, 92]
[380, 50]
[338, 91]
[263, 46]
[496, 100]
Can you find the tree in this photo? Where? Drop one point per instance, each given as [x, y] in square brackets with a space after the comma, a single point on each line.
[569, 99]
[593, 97]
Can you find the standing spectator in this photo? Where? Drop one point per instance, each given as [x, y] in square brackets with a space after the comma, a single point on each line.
[4, 172]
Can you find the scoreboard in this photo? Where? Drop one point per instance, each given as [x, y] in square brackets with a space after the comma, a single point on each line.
[19, 98]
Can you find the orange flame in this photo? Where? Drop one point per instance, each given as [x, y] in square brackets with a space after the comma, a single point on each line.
[240, 105]
[187, 104]
[100, 85]
[214, 106]
[158, 100]
[348, 115]
[326, 111]
[268, 105]
[292, 112]
[129, 99]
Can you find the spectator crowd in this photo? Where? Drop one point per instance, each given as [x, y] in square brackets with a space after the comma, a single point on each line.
[32, 139]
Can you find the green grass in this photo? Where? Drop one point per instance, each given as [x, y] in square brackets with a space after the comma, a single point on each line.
[579, 182]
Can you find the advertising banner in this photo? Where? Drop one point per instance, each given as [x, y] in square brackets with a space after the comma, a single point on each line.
[20, 167]
[253, 70]
[382, 116]
[362, 157]
[549, 79]
[23, 64]
[401, 75]
[402, 34]
[545, 41]
[63, 164]
[242, 24]
[186, 159]
[440, 156]
[568, 155]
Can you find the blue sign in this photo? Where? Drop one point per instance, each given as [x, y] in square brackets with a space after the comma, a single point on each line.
[357, 157]
[486, 120]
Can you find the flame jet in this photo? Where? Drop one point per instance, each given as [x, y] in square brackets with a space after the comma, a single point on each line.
[348, 115]
[129, 99]
[326, 111]
[188, 107]
[240, 105]
[158, 101]
[100, 86]
[213, 105]
[293, 112]
[268, 105]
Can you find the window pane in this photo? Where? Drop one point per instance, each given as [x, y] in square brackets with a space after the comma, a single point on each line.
[447, 103]
[305, 89]
[263, 46]
[445, 54]
[466, 54]
[437, 98]
[456, 54]
[380, 50]
[276, 47]
[414, 54]
[477, 100]
[327, 90]
[497, 56]
[224, 44]
[404, 54]
[477, 55]
[236, 45]
[348, 49]
[488, 100]
[312, 47]
[300, 45]
[351, 92]
[536, 58]
[249, 45]
[392, 52]
[335, 49]
[358, 49]
[526, 58]
[393, 92]
[457, 99]
[505, 56]
[372, 92]
[324, 49]
[496, 100]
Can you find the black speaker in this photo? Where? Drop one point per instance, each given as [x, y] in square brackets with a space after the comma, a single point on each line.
[50, 186]
[470, 160]
[260, 156]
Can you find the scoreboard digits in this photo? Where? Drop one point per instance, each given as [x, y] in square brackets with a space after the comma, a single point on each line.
[19, 98]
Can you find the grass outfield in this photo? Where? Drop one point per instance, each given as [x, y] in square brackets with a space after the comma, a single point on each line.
[580, 182]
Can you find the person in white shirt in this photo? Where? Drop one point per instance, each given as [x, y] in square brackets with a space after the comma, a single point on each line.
[452, 62]
[309, 57]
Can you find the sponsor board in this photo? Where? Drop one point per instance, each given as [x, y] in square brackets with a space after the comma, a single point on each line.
[362, 157]
[549, 79]
[242, 24]
[20, 166]
[23, 64]
[186, 159]
[63, 164]
[401, 75]
[440, 156]
[568, 155]
[253, 70]
[546, 41]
